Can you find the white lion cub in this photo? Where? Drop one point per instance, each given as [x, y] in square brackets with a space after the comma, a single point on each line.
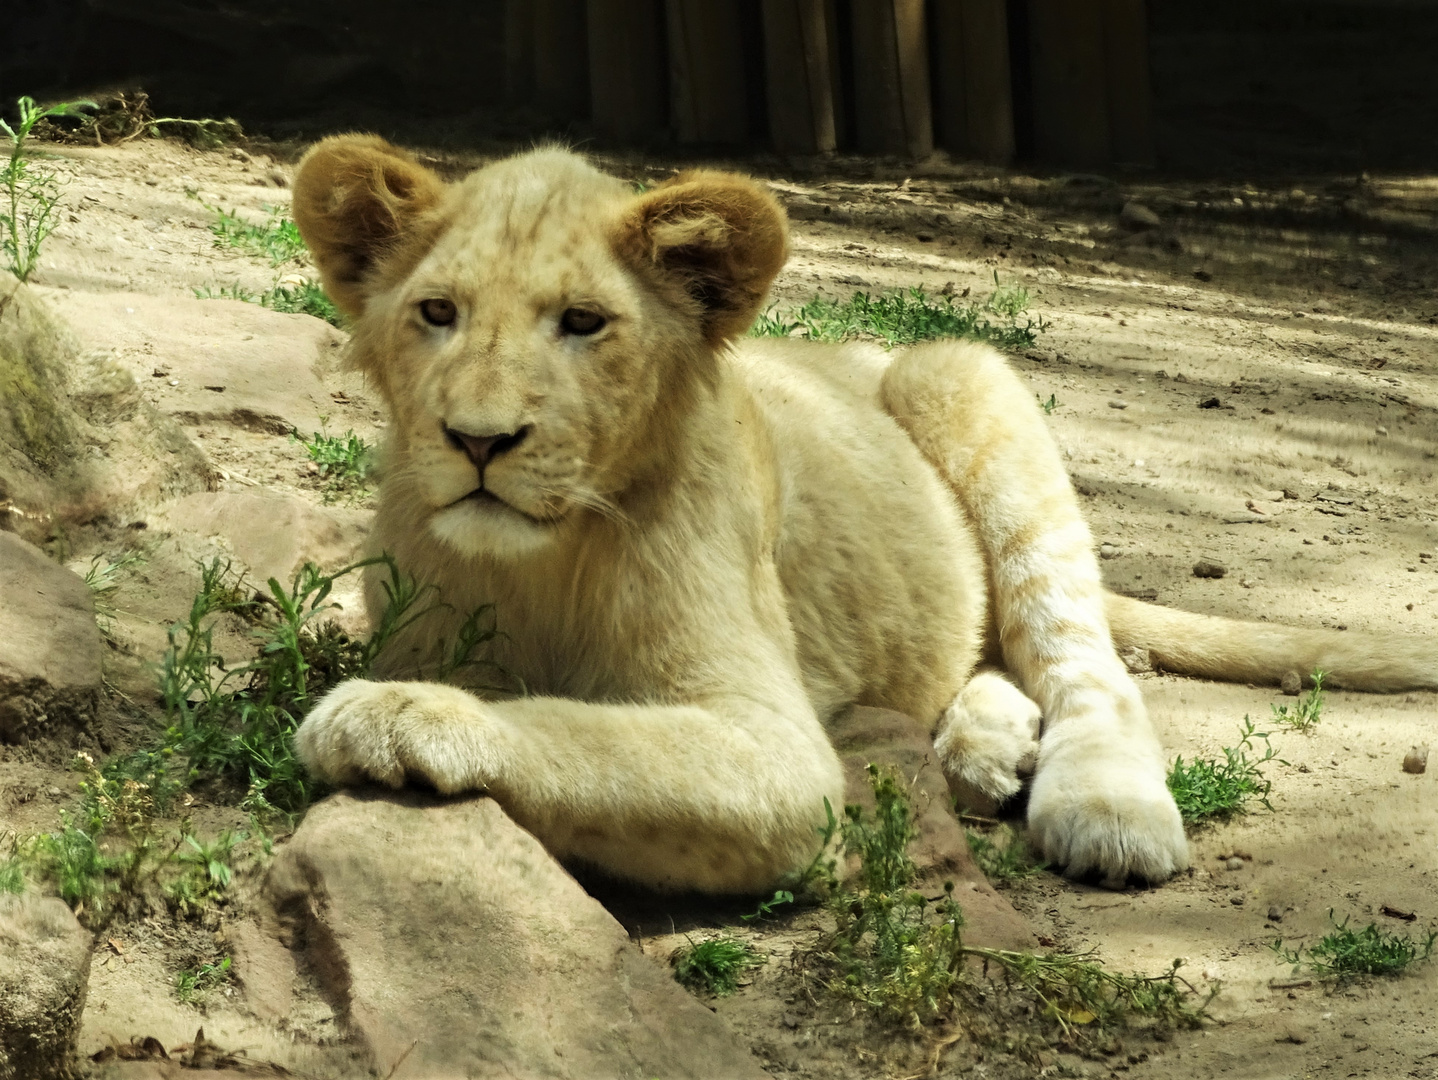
[701, 546]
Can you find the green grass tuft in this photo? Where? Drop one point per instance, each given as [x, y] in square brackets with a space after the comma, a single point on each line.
[908, 316]
[1344, 953]
[715, 966]
[346, 461]
[289, 297]
[1303, 716]
[277, 239]
[192, 986]
[1050, 405]
[1214, 790]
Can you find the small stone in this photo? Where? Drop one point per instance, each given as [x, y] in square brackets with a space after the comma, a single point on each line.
[1236, 901]
[1380, 430]
[1118, 404]
[278, 178]
[1210, 403]
[1107, 551]
[1136, 216]
[1275, 913]
[1207, 568]
[1234, 863]
[1416, 760]
[1291, 683]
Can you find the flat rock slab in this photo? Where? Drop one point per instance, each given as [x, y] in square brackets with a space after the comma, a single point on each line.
[272, 534]
[941, 852]
[50, 648]
[44, 975]
[443, 931]
[217, 360]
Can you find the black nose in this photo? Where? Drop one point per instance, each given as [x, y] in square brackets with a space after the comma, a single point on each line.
[482, 449]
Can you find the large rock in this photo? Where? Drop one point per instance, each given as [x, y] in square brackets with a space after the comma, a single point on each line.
[77, 440]
[442, 930]
[50, 648]
[215, 360]
[44, 974]
[271, 533]
[941, 852]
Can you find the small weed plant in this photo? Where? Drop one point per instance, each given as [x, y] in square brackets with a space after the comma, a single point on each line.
[1006, 860]
[1303, 716]
[345, 461]
[229, 727]
[908, 316]
[31, 191]
[1209, 790]
[1345, 954]
[715, 966]
[1050, 405]
[902, 953]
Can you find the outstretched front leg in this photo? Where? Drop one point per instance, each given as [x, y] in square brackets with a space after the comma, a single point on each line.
[727, 797]
[1100, 802]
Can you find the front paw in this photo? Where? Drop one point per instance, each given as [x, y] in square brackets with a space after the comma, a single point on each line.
[390, 732]
[1105, 809]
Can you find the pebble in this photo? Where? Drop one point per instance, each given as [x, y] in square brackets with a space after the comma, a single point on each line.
[1291, 683]
[1416, 760]
[1137, 216]
[1275, 913]
[1236, 901]
[1234, 863]
[1207, 568]
[1118, 404]
[1107, 551]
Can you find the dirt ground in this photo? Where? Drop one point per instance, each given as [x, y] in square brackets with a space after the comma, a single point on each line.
[1253, 381]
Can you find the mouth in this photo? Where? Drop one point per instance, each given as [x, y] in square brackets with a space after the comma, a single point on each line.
[487, 500]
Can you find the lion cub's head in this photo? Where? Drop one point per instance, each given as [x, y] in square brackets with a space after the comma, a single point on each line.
[538, 329]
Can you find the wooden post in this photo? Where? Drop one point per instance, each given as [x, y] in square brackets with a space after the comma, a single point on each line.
[627, 74]
[706, 69]
[1130, 94]
[891, 78]
[798, 68]
[973, 97]
[561, 57]
[1070, 83]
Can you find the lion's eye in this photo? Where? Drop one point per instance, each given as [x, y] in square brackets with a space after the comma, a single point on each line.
[581, 321]
[437, 312]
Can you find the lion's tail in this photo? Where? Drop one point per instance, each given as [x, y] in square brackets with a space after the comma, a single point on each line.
[1253, 652]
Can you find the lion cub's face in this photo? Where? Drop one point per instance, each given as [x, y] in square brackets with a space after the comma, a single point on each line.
[535, 327]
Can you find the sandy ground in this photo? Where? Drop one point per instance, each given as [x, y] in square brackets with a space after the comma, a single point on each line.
[1306, 308]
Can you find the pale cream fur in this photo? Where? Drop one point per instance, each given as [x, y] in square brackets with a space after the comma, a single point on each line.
[705, 546]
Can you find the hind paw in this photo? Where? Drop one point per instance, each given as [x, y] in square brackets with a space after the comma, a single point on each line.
[988, 742]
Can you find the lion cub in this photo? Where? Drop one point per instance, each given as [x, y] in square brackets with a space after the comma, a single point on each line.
[700, 547]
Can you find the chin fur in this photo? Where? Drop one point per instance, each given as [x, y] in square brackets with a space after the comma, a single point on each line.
[489, 529]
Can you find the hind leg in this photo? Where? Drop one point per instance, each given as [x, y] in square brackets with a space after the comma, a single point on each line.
[988, 742]
[1099, 803]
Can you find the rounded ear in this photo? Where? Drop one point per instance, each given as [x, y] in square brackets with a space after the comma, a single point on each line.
[356, 200]
[718, 237]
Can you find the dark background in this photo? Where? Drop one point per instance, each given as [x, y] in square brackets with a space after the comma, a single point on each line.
[1258, 85]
